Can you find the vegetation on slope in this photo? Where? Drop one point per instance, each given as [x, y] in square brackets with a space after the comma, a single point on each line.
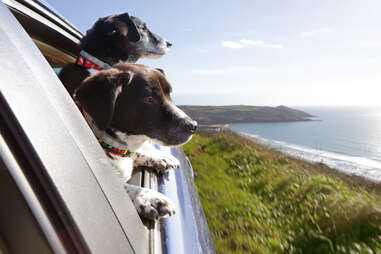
[208, 115]
[257, 200]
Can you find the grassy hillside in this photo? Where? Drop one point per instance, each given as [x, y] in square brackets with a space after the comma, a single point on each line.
[257, 200]
[207, 115]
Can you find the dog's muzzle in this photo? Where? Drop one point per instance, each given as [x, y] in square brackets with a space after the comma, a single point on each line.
[189, 125]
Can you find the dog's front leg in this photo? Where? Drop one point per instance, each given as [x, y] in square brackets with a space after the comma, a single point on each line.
[149, 156]
[150, 204]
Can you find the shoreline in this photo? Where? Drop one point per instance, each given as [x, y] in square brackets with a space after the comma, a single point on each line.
[324, 168]
[253, 195]
[320, 167]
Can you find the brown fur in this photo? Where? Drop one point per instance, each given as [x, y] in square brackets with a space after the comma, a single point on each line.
[135, 100]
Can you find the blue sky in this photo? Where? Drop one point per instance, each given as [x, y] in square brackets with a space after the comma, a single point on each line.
[267, 52]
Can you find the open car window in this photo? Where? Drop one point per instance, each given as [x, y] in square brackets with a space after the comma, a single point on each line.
[54, 151]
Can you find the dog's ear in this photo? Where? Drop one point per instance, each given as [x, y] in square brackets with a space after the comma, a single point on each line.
[122, 78]
[161, 70]
[121, 24]
[98, 93]
[133, 33]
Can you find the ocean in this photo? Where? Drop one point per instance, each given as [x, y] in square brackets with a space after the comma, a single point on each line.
[345, 138]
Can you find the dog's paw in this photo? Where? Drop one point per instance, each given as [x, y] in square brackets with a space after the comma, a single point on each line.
[153, 205]
[158, 162]
[166, 163]
[150, 204]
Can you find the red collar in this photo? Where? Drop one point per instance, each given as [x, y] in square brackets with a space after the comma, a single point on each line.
[91, 62]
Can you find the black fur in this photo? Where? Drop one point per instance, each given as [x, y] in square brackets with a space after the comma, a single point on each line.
[113, 39]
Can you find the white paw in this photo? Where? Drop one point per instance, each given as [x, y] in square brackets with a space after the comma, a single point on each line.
[150, 204]
[159, 163]
[165, 163]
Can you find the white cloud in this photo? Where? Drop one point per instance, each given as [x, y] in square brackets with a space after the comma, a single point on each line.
[231, 44]
[315, 32]
[251, 42]
[244, 43]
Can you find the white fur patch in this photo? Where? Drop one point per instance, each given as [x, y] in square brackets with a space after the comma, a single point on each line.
[159, 161]
[181, 114]
[150, 204]
[124, 167]
[152, 50]
[134, 142]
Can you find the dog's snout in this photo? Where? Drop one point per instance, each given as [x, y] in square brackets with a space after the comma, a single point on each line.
[190, 125]
[168, 44]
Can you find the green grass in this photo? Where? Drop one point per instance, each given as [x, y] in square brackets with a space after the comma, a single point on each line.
[257, 200]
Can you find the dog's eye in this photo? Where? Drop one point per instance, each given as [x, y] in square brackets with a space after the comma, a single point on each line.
[114, 30]
[148, 99]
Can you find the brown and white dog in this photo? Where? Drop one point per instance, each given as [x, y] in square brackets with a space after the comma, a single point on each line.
[114, 39]
[125, 106]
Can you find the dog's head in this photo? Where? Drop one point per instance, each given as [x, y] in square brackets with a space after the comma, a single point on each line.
[135, 100]
[123, 38]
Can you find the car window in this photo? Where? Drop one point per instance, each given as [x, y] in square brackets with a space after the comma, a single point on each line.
[67, 164]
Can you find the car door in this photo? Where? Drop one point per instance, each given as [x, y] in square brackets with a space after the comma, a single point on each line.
[53, 163]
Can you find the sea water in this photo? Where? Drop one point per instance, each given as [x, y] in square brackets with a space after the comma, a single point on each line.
[344, 138]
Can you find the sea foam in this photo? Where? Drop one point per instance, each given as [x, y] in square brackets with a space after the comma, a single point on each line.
[351, 165]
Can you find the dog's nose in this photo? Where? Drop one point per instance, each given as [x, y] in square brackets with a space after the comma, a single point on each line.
[168, 44]
[191, 126]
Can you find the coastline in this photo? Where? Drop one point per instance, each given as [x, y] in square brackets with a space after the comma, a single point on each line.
[257, 198]
[324, 168]
[319, 167]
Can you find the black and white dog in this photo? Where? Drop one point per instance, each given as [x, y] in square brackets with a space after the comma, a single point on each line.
[125, 106]
[114, 39]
